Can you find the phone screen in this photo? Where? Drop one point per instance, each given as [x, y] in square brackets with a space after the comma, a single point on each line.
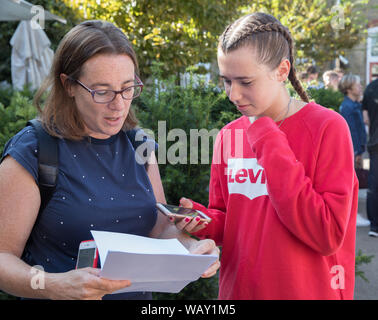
[86, 258]
[181, 210]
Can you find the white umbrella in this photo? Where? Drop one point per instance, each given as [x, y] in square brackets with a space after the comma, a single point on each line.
[31, 56]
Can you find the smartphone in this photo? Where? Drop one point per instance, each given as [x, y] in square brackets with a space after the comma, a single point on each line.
[88, 255]
[180, 212]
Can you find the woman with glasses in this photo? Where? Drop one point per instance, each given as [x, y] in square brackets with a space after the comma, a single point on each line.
[101, 185]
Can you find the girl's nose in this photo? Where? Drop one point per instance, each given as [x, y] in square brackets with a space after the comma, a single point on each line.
[234, 93]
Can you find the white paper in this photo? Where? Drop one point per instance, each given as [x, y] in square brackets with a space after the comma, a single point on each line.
[155, 265]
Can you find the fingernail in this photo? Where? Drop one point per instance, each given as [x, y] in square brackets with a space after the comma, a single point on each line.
[187, 219]
[198, 218]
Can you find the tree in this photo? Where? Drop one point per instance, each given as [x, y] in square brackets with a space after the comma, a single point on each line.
[321, 30]
[182, 33]
[177, 33]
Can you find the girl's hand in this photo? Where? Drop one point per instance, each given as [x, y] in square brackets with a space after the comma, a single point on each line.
[190, 224]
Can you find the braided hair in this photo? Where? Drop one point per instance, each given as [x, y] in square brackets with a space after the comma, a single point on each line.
[271, 40]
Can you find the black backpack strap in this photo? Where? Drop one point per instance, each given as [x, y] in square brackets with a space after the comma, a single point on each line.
[48, 162]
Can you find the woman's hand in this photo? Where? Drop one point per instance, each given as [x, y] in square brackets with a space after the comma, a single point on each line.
[206, 246]
[81, 284]
[190, 224]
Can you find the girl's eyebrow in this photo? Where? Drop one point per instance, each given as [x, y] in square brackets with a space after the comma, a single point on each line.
[236, 78]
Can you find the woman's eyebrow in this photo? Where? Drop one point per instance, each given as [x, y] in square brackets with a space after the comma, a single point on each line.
[107, 84]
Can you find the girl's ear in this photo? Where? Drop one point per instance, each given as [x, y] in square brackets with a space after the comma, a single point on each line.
[283, 70]
[65, 84]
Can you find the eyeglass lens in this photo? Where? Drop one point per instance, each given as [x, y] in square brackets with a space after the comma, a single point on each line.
[103, 96]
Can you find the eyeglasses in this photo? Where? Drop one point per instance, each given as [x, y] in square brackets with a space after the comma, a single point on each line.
[107, 96]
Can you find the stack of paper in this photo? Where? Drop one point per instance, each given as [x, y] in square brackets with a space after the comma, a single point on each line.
[154, 265]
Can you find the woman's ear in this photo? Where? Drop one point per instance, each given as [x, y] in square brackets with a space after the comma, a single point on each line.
[65, 84]
[283, 70]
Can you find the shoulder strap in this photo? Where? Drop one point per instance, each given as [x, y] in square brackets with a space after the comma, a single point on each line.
[48, 162]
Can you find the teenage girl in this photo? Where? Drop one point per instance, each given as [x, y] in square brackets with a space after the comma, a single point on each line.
[283, 193]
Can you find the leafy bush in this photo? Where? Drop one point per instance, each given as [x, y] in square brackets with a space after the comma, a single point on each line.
[14, 117]
[7, 92]
[327, 98]
[6, 95]
[362, 258]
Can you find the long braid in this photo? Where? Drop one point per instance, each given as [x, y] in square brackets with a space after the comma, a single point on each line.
[240, 31]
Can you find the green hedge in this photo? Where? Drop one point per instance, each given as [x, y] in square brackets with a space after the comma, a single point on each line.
[15, 115]
[327, 98]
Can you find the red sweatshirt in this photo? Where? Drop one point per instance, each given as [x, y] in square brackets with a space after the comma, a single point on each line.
[284, 204]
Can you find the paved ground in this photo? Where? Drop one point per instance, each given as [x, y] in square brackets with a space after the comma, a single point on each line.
[369, 246]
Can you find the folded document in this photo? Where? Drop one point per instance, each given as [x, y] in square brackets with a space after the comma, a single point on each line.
[154, 265]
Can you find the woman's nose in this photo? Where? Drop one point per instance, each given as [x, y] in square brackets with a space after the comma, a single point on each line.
[118, 103]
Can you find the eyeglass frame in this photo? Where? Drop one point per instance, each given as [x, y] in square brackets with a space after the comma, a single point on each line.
[93, 91]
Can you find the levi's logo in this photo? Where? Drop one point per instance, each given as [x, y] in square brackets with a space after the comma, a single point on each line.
[247, 177]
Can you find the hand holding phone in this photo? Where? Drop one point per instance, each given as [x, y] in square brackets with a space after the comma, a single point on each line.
[179, 213]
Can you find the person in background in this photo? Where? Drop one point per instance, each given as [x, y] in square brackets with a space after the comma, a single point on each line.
[370, 110]
[313, 78]
[351, 110]
[331, 80]
[313, 73]
[303, 77]
[340, 72]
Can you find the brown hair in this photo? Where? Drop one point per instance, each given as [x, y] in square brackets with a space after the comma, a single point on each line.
[330, 76]
[347, 82]
[59, 115]
[271, 40]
